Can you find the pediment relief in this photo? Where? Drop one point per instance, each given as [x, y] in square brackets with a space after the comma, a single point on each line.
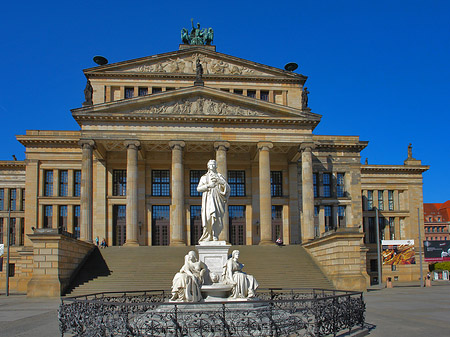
[185, 64]
[199, 106]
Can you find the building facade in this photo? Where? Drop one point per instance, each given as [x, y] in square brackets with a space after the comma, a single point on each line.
[147, 129]
[437, 221]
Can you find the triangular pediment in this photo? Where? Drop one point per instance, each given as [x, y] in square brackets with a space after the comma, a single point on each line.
[183, 62]
[197, 101]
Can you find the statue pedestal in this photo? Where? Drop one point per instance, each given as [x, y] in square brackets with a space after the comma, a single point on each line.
[215, 255]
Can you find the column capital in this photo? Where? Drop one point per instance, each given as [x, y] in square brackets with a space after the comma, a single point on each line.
[221, 146]
[177, 144]
[306, 146]
[132, 143]
[265, 146]
[86, 143]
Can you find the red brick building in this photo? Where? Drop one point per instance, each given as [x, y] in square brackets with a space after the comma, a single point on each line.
[437, 221]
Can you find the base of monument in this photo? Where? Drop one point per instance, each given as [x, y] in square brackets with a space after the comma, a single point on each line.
[215, 255]
[216, 292]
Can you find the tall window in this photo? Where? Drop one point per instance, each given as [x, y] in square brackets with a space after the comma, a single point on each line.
[380, 200]
[382, 226]
[316, 194]
[76, 221]
[236, 180]
[22, 205]
[22, 232]
[12, 199]
[392, 228]
[77, 183]
[62, 218]
[160, 225]
[195, 176]
[277, 222]
[48, 183]
[48, 215]
[251, 93]
[276, 184]
[372, 230]
[340, 185]
[2, 199]
[328, 218]
[161, 183]
[341, 216]
[1, 230]
[369, 200]
[264, 95]
[129, 92]
[143, 91]
[12, 232]
[391, 200]
[327, 185]
[63, 183]
[119, 182]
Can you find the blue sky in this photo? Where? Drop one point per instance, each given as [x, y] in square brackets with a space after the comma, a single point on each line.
[376, 69]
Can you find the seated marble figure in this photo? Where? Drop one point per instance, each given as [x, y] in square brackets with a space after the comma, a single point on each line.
[243, 285]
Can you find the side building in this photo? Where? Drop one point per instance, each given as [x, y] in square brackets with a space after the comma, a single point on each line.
[148, 127]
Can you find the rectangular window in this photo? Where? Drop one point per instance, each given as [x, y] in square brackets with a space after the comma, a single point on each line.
[77, 183]
[340, 185]
[237, 224]
[161, 183]
[316, 194]
[2, 199]
[276, 184]
[236, 180]
[119, 182]
[238, 91]
[48, 183]
[369, 200]
[195, 176]
[22, 232]
[380, 200]
[143, 91]
[76, 221]
[326, 182]
[63, 183]
[170, 88]
[160, 225]
[372, 230]
[391, 200]
[251, 93]
[129, 92]
[156, 90]
[48, 216]
[382, 227]
[264, 95]
[392, 228]
[328, 218]
[12, 232]
[374, 266]
[277, 222]
[62, 218]
[12, 199]
[341, 216]
[1, 230]
[22, 206]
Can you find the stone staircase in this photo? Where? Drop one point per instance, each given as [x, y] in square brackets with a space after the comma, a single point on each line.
[145, 268]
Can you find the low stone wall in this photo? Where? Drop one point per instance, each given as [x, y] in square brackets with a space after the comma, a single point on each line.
[22, 258]
[56, 257]
[339, 249]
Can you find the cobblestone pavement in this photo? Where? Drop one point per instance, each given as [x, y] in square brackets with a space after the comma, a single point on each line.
[406, 310]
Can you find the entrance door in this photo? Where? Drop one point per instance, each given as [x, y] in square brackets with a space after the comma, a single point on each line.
[160, 225]
[277, 222]
[119, 224]
[196, 224]
[237, 225]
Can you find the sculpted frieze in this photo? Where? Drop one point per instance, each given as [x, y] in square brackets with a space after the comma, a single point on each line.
[186, 65]
[199, 106]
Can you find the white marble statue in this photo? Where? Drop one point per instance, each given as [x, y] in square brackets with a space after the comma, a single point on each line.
[186, 284]
[215, 192]
[243, 285]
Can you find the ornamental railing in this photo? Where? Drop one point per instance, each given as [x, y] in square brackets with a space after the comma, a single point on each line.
[277, 312]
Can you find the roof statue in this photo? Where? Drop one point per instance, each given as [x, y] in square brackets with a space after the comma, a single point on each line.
[198, 36]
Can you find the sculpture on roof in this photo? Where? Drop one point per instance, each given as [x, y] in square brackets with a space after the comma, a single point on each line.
[88, 91]
[410, 151]
[305, 93]
[198, 36]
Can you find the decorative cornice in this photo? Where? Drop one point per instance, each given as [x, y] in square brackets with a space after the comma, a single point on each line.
[12, 164]
[393, 168]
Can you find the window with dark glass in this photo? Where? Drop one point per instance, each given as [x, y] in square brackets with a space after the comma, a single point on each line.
[77, 183]
[48, 183]
[316, 194]
[340, 185]
[251, 93]
[264, 95]
[48, 216]
[22, 232]
[156, 90]
[129, 92]
[225, 89]
[160, 225]
[62, 218]
[392, 228]
[160, 183]
[22, 205]
[382, 227]
[170, 88]
[238, 91]
[276, 184]
[2, 199]
[341, 216]
[1, 230]
[237, 224]
[328, 218]
[391, 200]
[63, 183]
[195, 176]
[12, 232]
[369, 200]
[142, 91]
[372, 230]
[120, 182]
[76, 221]
[236, 180]
[316, 210]
[12, 199]
[326, 185]
[380, 200]
[374, 266]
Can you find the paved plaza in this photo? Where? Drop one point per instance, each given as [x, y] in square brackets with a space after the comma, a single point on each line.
[402, 311]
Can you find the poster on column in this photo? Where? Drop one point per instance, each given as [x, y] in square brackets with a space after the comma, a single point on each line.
[2, 249]
[397, 252]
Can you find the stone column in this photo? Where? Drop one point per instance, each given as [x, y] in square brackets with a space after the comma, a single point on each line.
[132, 192]
[265, 197]
[177, 215]
[221, 159]
[87, 146]
[307, 193]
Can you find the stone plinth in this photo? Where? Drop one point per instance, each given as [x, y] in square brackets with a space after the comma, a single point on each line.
[214, 254]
